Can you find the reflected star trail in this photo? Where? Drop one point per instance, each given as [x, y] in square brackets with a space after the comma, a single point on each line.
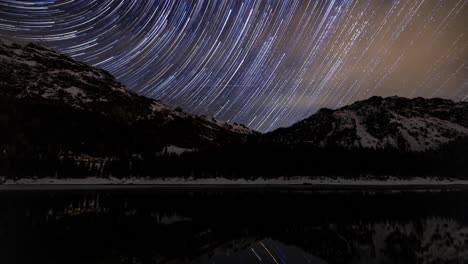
[263, 63]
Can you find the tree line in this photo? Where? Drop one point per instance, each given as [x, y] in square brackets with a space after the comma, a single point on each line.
[246, 161]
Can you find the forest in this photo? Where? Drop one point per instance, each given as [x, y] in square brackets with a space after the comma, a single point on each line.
[248, 161]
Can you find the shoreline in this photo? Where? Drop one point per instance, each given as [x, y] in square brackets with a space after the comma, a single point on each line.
[276, 184]
[228, 187]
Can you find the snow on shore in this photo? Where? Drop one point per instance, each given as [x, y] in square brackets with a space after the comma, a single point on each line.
[223, 181]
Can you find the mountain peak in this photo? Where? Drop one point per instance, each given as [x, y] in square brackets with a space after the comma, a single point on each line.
[35, 76]
[393, 122]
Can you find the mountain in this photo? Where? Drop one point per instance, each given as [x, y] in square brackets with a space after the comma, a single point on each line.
[394, 122]
[62, 118]
[51, 101]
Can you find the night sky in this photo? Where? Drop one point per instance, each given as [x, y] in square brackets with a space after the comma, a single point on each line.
[261, 63]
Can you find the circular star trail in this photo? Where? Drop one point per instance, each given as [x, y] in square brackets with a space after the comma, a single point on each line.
[263, 63]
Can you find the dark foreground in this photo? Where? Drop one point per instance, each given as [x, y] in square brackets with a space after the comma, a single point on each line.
[234, 225]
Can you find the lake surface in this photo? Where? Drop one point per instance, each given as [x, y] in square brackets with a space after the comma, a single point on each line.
[233, 226]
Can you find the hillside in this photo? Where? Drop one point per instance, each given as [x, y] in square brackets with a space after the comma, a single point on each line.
[394, 122]
[51, 102]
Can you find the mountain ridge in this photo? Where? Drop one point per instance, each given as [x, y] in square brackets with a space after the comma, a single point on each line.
[415, 124]
[63, 119]
[34, 74]
[36, 78]
[58, 66]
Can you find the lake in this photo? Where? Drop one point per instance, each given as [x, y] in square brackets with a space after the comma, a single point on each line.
[233, 225]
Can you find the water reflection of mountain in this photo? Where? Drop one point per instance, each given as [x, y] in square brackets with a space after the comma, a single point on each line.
[432, 240]
[197, 227]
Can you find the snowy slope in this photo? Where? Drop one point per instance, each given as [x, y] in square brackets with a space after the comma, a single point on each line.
[34, 74]
[394, 122]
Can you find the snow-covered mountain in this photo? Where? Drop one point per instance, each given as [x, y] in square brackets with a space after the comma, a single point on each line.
[411, 124]
[77, 106]
[39, 83]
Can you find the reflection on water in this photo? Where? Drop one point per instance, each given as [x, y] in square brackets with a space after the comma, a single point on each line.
[233, 226]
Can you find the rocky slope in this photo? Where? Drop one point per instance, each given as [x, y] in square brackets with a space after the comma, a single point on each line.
[48, 98]
[394, 122]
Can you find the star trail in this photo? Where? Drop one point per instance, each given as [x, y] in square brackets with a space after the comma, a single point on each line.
[263, 63]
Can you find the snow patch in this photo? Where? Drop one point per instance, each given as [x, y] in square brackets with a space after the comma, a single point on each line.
[74, 91]
[171, 149]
